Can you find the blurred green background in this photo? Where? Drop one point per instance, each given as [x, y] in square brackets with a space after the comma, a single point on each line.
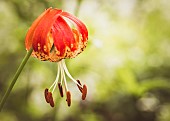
[126, 64]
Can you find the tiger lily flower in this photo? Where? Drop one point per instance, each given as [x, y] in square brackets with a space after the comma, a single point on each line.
[53, 39]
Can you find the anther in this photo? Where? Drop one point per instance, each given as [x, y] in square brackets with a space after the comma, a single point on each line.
[68, 98]
[51, 99]
[84, 92]
[60, 89]
[46, 95]
[80, 88]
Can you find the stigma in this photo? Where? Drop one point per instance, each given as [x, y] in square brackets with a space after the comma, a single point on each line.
[61, 83]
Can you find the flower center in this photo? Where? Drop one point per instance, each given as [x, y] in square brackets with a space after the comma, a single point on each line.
[61, 81]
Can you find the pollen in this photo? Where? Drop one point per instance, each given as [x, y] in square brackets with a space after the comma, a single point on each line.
[45, 48]
[57, 52]
[39, 46]
[72, 45]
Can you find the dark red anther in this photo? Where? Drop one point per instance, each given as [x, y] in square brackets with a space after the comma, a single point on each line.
[68, 98]
[51, 99]
[46, 95]
[60, 89]
[78, 81]
[84, 92]
[80, 88]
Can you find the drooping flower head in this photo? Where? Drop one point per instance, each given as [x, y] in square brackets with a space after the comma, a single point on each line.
[54, 39]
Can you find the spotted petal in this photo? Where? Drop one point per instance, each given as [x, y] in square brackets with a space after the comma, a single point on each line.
[63, 37]
[28, 39]
[43, 28]
[81, 27]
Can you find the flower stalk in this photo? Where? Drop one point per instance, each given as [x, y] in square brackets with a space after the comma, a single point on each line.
[18, 72]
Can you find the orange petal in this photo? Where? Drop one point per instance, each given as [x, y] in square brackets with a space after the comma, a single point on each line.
[58, 40]
[42, 30]
[80, 25]
[29, 35]
[64, 39]
[68, 36]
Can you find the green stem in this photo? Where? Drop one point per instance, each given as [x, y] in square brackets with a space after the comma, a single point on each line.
[24, 61]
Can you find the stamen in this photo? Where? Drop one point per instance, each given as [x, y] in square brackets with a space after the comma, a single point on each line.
[84, 92]
[46, 95]
[51, 99]
[79, 82]
[56, 80]
[68, 74]
[60, 89]
[80, 88]
[68, 98]
[64, 77]
[62, 70]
